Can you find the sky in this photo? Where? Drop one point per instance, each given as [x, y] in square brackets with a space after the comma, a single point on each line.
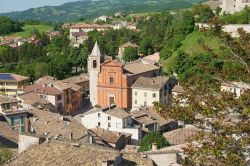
[19, 5]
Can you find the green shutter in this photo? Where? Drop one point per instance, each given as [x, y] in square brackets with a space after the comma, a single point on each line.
[12, 121]
[22, 120]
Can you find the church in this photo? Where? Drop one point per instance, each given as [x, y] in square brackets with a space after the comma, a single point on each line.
[111, 80]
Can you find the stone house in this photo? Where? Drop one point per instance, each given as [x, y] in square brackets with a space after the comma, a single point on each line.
[17, 119]
[116, 140]
[123, 47]
[146, 91]
[82, 81]
[232, 6]
[9, 83]
[236, 88]
[152, 121]
[112, 119]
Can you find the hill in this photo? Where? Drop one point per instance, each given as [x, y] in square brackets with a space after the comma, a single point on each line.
[29, 29]
[88, 9]
[206, 57]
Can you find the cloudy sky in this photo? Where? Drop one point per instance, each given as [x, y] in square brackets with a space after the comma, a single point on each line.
[18, 5]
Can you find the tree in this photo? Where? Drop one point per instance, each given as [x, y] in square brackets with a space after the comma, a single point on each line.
[130, 54]
[150, 138]
[5, 155]
[202, 12]
[7, 26]
[228, 117]
[145, 47]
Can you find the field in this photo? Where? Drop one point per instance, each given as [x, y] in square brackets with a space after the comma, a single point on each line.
[28, 29]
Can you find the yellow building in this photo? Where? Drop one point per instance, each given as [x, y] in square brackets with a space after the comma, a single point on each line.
[9, 83]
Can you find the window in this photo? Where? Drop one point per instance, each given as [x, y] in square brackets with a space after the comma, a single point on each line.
[12, 121]
[135, 93]
[145, 94]
[99, 124]
[118, 125]
[109, 117]
[111, 100]
[22, 120]
[145, 103]
[59, 106]
[99, 115]
[94, 64]
[135, 101]
[109, 125]
[154, 95]
[22, 129]
[111, 80]
[59, 97]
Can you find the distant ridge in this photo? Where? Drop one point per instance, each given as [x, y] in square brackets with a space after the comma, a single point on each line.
[89, 9]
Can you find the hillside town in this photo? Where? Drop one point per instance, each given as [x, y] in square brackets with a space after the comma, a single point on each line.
[128, 108]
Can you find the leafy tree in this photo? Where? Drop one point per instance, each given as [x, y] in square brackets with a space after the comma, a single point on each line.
[228, 140]
[130, 54]
[7, 26]
[150, 138]
[202, 12]
[5, 155]
[145, 47]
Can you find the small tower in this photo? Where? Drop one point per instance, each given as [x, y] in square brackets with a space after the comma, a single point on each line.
[94, 66]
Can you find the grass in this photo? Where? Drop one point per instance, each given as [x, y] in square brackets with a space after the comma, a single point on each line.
[192, 45]
[28, 29]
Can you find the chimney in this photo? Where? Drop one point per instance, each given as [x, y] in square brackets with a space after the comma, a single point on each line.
[70, 136]
[90, 139]
[154, 147]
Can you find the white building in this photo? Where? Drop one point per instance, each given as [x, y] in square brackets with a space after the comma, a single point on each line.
[232, 6]
[230, 28]
[146, 91]
[112, 120]
[237, 88]
[83, 27]
[94, 67]
[101, 18]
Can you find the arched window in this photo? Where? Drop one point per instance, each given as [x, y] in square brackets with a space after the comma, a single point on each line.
[94, 64]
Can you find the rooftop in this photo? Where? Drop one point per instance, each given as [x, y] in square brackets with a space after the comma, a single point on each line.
[178, 88]
[12, 77]
[154, 83]
[213, 4]
[55, 125]
[242, 85]
[45, 80]
[5, 99]
[77, 79]
[148, 116]
[84, 25]
[108, 136]
[128, 44]
[181, 135]
[96, 51]
[154, 58]
[116, 112]
[139, 66]
[35, 99]
[58, 153]
[41, 89]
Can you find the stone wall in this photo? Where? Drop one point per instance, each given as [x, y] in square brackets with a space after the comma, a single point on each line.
[25, 141]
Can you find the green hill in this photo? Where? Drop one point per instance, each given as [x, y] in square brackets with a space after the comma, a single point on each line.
[205, 57]
[28, 30]
[90, 9]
